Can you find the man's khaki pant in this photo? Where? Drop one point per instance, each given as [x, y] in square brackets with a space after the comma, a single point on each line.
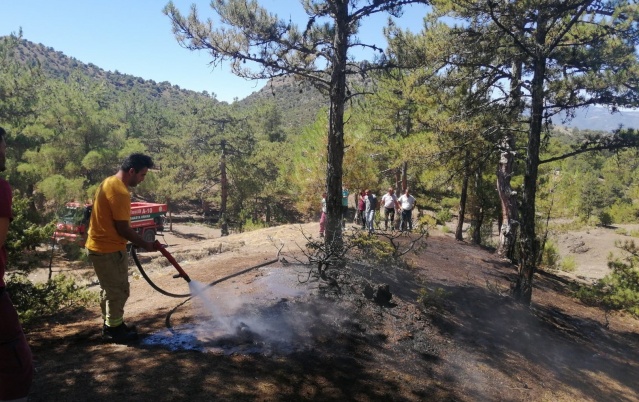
[112, 270]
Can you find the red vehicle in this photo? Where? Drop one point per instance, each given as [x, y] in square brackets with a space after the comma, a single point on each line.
[146, 218]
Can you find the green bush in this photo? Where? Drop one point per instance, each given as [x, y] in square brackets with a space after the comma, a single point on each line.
[443, 216]
[432, 298]
[25, 234]
[427, 221]
[249, 225]
[623, 212]
[36, 301]
[372, 247]
[550, 255]
[605, 219]
[568, 264]
[618, 290]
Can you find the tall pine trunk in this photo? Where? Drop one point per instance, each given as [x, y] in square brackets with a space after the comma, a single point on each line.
[528, 244]
[509, 216]
[509, 224]
[459, 234]
[335, 147]
[478, 212]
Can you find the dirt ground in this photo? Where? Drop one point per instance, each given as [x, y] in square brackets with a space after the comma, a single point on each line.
[450, 332]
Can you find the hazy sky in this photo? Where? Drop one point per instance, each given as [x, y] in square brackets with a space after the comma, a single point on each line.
[134, 37]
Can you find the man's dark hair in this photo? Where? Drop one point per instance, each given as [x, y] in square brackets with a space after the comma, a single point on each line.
[3, 134]
[137, 162]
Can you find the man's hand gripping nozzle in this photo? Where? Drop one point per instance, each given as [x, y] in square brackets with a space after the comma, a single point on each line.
[159, 247]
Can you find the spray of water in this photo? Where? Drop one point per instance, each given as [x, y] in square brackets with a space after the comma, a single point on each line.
[225, 313]
[212, 310]
[259, 315]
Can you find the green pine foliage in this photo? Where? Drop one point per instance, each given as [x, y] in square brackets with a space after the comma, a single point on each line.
[26, 231]
[550, 257]
[618, 290]
[35, 301]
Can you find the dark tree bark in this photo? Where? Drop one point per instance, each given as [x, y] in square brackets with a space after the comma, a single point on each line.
[509, 224]
[404, 176]
[528, 244]
[335, 145]
[459, 234]
[478, 212]
[225, 191]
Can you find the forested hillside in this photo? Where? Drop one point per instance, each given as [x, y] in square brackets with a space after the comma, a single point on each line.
[146, 112]
[298, 101]
[58, 66]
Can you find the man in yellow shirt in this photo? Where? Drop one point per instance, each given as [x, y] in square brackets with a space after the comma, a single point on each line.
[109, 231]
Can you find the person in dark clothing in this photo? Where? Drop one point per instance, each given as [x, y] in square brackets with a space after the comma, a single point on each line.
[361, 207]
[16, 363]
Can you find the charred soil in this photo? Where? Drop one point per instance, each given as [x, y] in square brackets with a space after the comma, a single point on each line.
[450, 332]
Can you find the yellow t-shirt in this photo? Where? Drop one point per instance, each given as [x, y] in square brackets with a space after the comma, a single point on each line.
[112, 203]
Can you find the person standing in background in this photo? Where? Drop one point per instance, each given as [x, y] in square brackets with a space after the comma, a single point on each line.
[322, 229]
[344, 206]
[361, 207]
[371, 206]
[407, 202]
[389, 203]
[16, 362]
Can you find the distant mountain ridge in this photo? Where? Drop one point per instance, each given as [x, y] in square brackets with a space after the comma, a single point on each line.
[598, 118]
[56, 65]
[298, 102]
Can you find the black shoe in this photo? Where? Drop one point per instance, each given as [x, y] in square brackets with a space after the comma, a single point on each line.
[119, 334]
[129, 328]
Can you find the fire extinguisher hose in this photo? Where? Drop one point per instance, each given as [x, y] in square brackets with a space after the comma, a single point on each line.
[150, 282]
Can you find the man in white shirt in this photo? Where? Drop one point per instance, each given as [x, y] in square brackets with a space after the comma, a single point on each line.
[389, 203]
[407, 203]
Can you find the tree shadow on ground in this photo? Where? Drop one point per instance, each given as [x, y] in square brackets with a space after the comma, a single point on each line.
[574, 350]
[339, 365]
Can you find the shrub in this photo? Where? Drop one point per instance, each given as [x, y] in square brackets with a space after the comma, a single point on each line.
[568, 264]
[372, 247]
[427, 221]
[605, 219]
[623, 212]
[550, 255]
[249, 225]
[618, 290]
[443, 216]
[25, 234]
[35, 301]
[432, 298]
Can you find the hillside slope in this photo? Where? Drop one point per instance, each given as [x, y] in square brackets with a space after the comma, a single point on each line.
[298, 102]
